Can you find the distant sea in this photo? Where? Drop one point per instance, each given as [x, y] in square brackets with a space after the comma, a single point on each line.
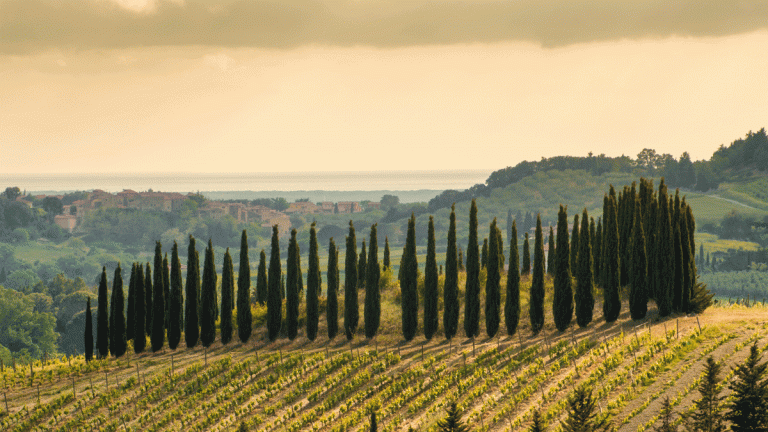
[318, 186]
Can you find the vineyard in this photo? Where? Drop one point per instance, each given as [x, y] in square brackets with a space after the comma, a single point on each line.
[296, 386]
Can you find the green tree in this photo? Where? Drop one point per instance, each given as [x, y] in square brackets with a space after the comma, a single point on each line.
[611, 297]
[372, 309]
[484, 254]
[408, 288]
[332, 309]
[88, 332]
[166, 289]
[537, 424]
[562, 301]
[472, 289]
[362, 266]
[638, 297]
[102, 319]
[451, 284]
[512, 301]
[707, 412]
[244, 317]
[667, 421]
[452, 421]
[461, 260]
[526, 257]
[292, 288]
[227, 287]
[551, 253]
[582, 415]
[688, 260]
[677, 296]
[262, 285]
[373, 427]
[148, 309]
[139, 335]
[191, 327]
[274, 297]
[313, 285]
[117, 340]
[175, 318]
[430, 285]
[130, 317]
[157, 338]
[208, 299]
[536, 302]
[585, 300]
[575, 237]
[748, 409]
[351, 308]
[510, 220]
[597, 250]
[386, 253]
[493, 284]
[664, 254]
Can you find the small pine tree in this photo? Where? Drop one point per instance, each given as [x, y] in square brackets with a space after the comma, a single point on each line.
[386, 253]
[117, 340]
[88, 343]
[102, 317]
[351, 308]
[139, 336]
[451, 284]
[707, 412]
[562, 301]
[208, 298]
[408, 284]
[492, 284]
[191, 327]
[332, 310]
[665, 416]
[244, 317]
[313, 285]
[701, 298]
[430, 285]
[292, 288]
[227, 287]
[512, 301]
[372, 306]
[472, 290]
[584, 299]
[526, 257]
[582, 415]
[274, 297]
[536, 305]
[452, 421]
[175, 317]
[157, 338]
[537, 424]
[748, 410]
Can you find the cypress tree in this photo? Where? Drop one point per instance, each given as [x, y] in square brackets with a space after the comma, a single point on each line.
[526, 257]
[157, 338]
[430, 285]
[244, 317]
[117, 341]
[208, 299]
[176, 303]
[130, 317]
[492, 284]
[262, 286]
[139, 336]
[102, 319]
[611, 298]
[536, 310]
[687, 261]
[451, 284]
[362, 267]
[664, 255]
[274, 298]
[638, 297]
[510, 220]
[512, 302]
[373, 428]
[191, 327]
[677, 297]
[386, 253]
[148, 293]
[292, 288]
[707, 412]
[585, 301]
[332, 310]
[748, 409]
[500, 243]
[575, 236]
[88, 332]
[409, 294]
[562, 301]
[461, 260]
[472, 290]
[484, 254]
[313, 286]
[452, 421]
[227, 287]
[372, 309]
[351, 308]
[692, 271]
[551, 253]
[597, 250]
[166, 290]
[582, 414]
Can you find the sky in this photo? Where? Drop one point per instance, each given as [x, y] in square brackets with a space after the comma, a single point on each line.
[125, 86]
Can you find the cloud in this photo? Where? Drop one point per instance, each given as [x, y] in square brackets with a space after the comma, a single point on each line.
[35, 25]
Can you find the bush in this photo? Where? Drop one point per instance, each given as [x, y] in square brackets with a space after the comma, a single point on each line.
[20, 235]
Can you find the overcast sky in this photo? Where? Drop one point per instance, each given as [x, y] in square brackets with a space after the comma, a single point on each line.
[291, 85]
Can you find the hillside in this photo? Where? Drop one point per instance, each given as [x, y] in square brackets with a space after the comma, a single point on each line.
[333, 385]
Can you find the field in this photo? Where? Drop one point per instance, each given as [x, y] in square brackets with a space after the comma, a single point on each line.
[322, 385]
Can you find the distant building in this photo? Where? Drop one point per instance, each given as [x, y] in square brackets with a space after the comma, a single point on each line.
[66, 222]
[349, 207]
[303, 207]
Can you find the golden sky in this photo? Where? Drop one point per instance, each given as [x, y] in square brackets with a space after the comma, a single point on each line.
[281, 85]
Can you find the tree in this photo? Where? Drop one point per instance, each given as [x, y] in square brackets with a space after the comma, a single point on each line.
[362, 266]
[562, 302]
[372, 309]
[274, 297]
[451, 284]
[667, 422]
[575, 236]
[157, 338]
[262, 285]
[526, 257]
[536, 309]
[677, 296]
[597, 250]
[582, 415]
[389, 201]
[687, 260]
[409, 293]
[493, 284]
[748, 410]
[510, 221]
[430, 285]
[175, 318]
[386, 253]
[191, 328]
[461, 260]
[707, 412]
[313, 285]
[117, 340]
[664, 254]
[611, 298]
[551, 254]
[227, 287]
[292, 288]
[638, 297]
[512, 301]
[584, 299]
[373, 428]
[139, 334]
[332, 310]
[472, 290]
[537, 424]
[148, 309]
[166, 289]
[102, 319]
[11, 193]
[208, 299]
[52, 206]
[452, 421]
[130, 317]
[484, 254]
[351, 308]
[88, 332]
[244, 318]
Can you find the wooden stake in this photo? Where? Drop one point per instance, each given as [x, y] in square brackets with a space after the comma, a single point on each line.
[697, 322]
[473, 346]
[138, 376]
[38, 394]
[74, 394]
[422, 352]
[206, 356]
[91, 385]
[677, 331]
[171, 367]
[106, 380]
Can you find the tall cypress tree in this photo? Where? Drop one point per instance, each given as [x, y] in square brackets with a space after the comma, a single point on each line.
[274, 297]
[575, 236]
[597, 251]
[332, 310]
[102, 319]
[551, 253]
[244, 317]
[227, 287]
[562, 302]
[536, 310]
[409, 293]
[386, 253]
[460, 260]
[166, 289]
[139, 336]
[451, 285]
[526, 257]
[472, 290]
[492, 284]
[372, 309]
[362, 267]
[292, 288]
[678, 261]
[585, 301]
[262, 285]
[313, 285]
[175, 317]
[130, 317]
[430, 284]
[148, 293]
[157, 338]
[208, 299]
[611, 298]
[500, 243]
[664, 254]
[351, 308]
[690, 258]
[117, 341]
[88, 343]
[638, 297]
[484, 254]
[512, 302]
[510, 220]
[191, 327]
